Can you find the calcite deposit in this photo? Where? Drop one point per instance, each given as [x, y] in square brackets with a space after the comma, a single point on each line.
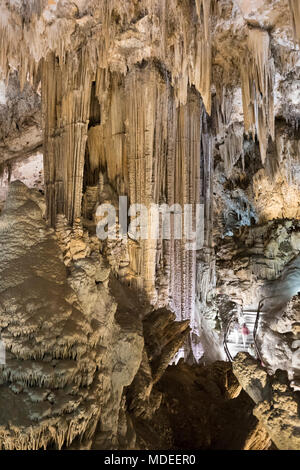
[277, 406]
[167, 104]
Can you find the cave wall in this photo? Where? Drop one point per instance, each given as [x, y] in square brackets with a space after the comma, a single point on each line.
[171, 102]
[165, 101]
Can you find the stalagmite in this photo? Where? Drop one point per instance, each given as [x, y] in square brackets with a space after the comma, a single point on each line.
[49, 340]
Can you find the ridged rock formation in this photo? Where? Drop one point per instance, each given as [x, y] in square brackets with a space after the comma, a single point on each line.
[74, 339]
[280, 327]
[202, 407]
[21, 123]
[163, 338]
[258, 254]
[50, 385]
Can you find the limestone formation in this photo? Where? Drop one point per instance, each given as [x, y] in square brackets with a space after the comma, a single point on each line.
[168, 105]
[163, 338]
[202, 407]
[50, 385]
[277, 406]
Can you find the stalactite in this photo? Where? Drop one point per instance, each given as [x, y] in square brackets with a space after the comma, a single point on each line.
[230, 135]
[257, 73]
[156, 153]
[188, 59]
[69, 68]
[232, 148]
[66, 101]
[295, 17]
[202, 79]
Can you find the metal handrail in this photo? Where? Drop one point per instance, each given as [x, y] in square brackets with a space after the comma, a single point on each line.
[256, 324]
[230, 358]
[255, 330]
[225, 339]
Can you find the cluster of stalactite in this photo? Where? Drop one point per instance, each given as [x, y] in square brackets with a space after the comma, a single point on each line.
[257, 73]
[155, 152]
[295, 14]
[229, 135]
[150, 150]
[126, 90]
[66, 106]
[180, 35]
[67, 89]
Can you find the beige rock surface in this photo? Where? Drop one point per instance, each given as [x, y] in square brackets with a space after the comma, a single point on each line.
[277, 406]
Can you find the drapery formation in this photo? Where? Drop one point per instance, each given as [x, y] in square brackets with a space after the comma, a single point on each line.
[257, 73]
[146, 66]
[155, 152]
[66, 107]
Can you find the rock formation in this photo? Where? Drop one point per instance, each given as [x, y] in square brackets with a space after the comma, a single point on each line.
[168, 105]
[276, 404]
[202, 407]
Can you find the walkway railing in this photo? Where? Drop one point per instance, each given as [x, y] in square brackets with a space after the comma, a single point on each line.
[260, 305]
[256, 324]
[225, 338]
[256, 328]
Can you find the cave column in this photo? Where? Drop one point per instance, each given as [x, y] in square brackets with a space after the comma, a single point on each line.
[66, 94]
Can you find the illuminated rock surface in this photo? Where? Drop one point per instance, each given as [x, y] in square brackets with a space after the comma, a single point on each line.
[165, 102]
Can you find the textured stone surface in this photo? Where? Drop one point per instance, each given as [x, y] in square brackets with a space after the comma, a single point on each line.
[67, 358]
[166, 102]
[277, 406]
[74, 337]
[163, 338]
[202, 407]
[20, 120]
[51, 343]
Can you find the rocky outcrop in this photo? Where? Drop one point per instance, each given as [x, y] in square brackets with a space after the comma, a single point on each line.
[74, 337]
[279, 338]
[247, 261]
[62, 373]
[28, 170]
[121, 343]
[203, 408]
[277, 406]
[20, 120]
[50, 385]
[257, 265]
[163, 338]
